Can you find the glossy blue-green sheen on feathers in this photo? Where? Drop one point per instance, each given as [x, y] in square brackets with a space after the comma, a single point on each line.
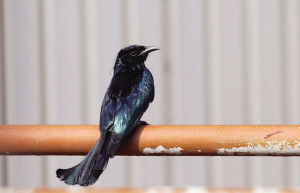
[126, 99]
[125, 111]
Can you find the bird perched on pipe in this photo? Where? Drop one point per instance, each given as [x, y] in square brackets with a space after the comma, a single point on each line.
[128, 96]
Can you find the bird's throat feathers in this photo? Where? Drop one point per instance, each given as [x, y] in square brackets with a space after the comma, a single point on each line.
[125, 79]
[126, 68]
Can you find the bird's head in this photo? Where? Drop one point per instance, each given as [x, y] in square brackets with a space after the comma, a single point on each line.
[132, 57]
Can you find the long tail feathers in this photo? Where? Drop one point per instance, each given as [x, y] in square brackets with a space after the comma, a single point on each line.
[87, 171]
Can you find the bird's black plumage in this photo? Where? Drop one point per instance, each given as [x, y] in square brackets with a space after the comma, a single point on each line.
[127, 98]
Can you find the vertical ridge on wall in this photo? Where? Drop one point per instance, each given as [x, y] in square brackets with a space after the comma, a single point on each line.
[68, 60]
[7, 60]
[289, 63]
[251, 61]
[48, 59]
[270, 57]
[231, 79]
[165, 9]
[48, 78]
[130, 22]
[41, 60]
[212, 55]
[290, 68]
[7, 76]
[2, 74]
[173, 83]
[175, 74]
[3, 164]
[252, 85]
[173, 53]
[84, 12]
[271, 81]
[192, 77]
[212, 81]
[192, 61]
[90, 64]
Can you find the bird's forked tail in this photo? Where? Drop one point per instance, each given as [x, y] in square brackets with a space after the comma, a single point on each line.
[88, 170]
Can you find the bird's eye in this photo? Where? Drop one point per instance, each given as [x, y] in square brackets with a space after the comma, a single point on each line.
[133, 53]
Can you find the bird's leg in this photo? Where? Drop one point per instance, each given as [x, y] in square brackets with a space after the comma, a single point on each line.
[140, 123]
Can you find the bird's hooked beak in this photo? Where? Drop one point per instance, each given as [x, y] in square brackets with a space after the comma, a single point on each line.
[148, 50]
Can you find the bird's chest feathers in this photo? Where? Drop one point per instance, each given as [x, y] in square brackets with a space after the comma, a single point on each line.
[128, 108]
[123, 84]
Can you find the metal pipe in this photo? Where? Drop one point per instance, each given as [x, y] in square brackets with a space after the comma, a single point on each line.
[182, 140]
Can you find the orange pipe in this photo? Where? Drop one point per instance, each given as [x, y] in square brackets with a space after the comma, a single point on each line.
[153, 190]
[277, 140]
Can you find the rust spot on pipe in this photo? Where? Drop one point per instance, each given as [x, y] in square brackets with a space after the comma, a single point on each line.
[271, 134]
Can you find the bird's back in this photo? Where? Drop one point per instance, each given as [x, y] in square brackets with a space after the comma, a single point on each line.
[122, 112]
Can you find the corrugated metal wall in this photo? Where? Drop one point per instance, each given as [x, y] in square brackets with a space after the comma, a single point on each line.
[221, 62]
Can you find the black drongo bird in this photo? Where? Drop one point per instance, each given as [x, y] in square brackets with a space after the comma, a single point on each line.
[127, 98]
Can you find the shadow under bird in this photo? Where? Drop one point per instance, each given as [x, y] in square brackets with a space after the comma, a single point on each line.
[127, 98]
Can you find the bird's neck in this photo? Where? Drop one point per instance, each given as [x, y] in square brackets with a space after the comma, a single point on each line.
[125, 80]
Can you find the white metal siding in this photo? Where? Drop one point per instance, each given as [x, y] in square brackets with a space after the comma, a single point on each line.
[221, 62]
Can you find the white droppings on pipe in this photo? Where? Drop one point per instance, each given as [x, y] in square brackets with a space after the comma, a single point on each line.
[199, 150]
[162, 149]
[275, 147]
